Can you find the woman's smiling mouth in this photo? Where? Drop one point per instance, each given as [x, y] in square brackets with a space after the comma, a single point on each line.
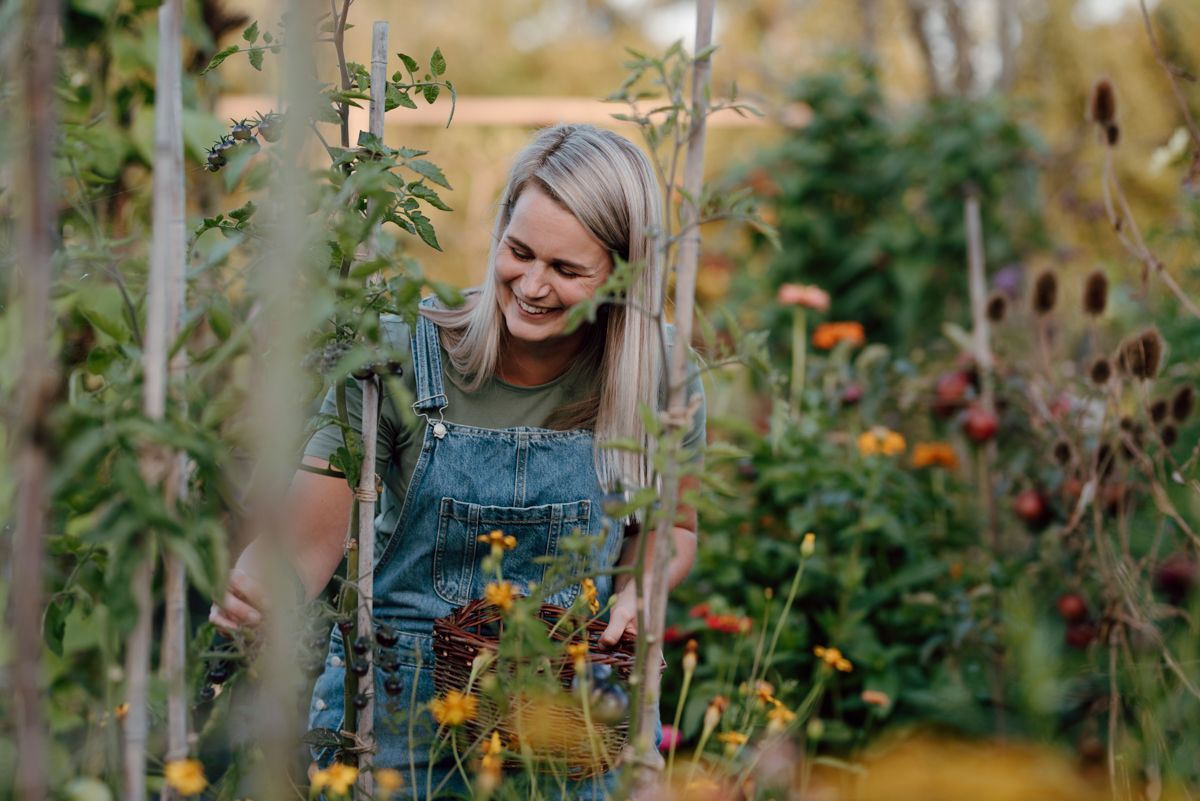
[530, 309]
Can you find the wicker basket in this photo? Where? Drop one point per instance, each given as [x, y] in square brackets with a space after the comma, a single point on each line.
[553, 728]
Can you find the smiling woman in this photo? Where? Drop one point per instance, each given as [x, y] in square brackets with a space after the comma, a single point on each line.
[513, 414]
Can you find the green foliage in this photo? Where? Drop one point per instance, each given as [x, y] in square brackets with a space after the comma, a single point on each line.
[870, 203]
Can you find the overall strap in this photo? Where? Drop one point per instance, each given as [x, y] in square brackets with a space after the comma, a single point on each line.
[427, 359]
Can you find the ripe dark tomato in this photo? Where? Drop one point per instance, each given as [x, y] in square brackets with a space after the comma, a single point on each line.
[393, 686]
[216, 160]
[1176, 577]
[1030, 505]
[271, 127]
[1072, 607]
[979, 424]
[361, 700]
[360, 667]
[950, 392]
[395, 368]
[220, 672]
[1080, 635]
[345, 626]
[206, 694]
[362, 645]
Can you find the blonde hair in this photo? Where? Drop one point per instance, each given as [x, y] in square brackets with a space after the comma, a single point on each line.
[609, 185]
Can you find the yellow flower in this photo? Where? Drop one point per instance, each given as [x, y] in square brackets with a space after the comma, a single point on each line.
[881, 440]
[934, 454]
[185, 776]
[778, 718]
[588, 590]
[578, 652]
[733, 740]
[388, 781]
[499, 540]
[765, 692]
[501, 594]
[337, 778]
[453, 708]
[490, 765]
[121, 710]
[833, 657]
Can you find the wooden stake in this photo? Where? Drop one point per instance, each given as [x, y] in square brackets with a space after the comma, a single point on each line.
[677, 400]
[366, 481]
[167, 291]
[39, 383]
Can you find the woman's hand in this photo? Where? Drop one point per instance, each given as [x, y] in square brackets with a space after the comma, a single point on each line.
[244, 602]
[622, 617]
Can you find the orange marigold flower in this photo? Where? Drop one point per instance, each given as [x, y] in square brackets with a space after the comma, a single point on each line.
[778, 718]
[499, 540]
[388, 780]
[578, 652]
[764, 691]
[490, 765]
[453, 709]
[827, 335]
[879, 439]
[733, 740]
[806, 295]
[501, 594]
[121, 710]
[588, 591]
[185, 776]
[934, 454]
[833, 657]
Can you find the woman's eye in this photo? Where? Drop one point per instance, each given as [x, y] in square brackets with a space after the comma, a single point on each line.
[521, 255]
[565, 273]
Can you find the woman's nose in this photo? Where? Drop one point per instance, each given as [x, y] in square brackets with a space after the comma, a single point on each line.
[533, 283]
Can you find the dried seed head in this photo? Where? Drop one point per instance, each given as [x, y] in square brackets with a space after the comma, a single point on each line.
[1112, 134]
[1101, 371]
[1063, 452]
[1104, 102]
[1183, 403]
[1141, 355]
[1045, 292]
[1158, 411]
[1169, 434]
[997, 306]
[1095, 293]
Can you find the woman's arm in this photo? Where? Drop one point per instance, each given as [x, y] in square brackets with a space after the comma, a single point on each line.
[623, 616]
[317, 519]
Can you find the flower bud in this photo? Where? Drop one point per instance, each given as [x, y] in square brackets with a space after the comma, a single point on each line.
[809, 546]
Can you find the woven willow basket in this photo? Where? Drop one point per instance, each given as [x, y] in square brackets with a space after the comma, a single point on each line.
[551, 728]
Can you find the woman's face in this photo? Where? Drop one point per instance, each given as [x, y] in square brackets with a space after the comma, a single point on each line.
[546, 262]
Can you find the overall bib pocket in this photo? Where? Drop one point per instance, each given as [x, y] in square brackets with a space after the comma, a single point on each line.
[457, 573]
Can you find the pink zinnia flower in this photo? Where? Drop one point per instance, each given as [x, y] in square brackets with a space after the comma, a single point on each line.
[670, 738]
[806, 295]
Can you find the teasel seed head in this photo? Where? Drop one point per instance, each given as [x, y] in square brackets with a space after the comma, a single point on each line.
[1045, 292]
[1095, 293]
[1101, 371]
[1063, 452]
[1141, 355]
[1183, 403]
[1169, 435]
[997, 307]
[1158, 411]
[1104, 102]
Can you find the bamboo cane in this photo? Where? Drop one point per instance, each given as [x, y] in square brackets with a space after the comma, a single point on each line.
[37, 389]
[981, 331]
[677, 400]
[366, 493]
[167, 291]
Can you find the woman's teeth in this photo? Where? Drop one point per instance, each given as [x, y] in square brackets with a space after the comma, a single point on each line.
[531, 309]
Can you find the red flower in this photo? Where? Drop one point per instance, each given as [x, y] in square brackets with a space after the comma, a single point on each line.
[728, 624]
[699, 610]
[672, 634]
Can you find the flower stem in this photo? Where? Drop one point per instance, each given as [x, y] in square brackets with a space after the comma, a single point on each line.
[799, 354]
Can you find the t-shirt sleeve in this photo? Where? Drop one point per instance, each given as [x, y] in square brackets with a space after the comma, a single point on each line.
[697, 438]
[326, 440]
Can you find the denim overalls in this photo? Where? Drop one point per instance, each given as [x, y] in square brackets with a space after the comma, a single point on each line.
[536, 484]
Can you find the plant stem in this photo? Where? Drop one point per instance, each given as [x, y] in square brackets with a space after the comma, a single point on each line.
[799, 356]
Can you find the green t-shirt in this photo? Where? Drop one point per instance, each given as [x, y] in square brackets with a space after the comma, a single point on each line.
[496, 404]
